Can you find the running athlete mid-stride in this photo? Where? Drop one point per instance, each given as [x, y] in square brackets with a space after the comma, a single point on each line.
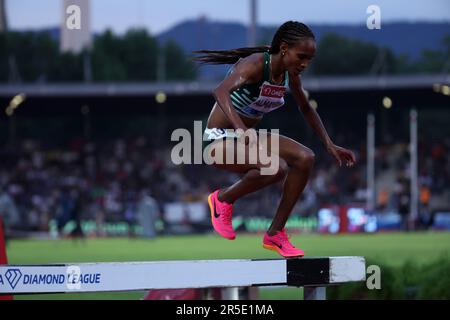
[256, 85]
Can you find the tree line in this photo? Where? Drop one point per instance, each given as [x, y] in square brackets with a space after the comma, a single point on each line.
[137, 56]
[134, 56]
[337, 55]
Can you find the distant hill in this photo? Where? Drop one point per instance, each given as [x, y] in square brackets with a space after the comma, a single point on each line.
[53, 31]
[401, 37]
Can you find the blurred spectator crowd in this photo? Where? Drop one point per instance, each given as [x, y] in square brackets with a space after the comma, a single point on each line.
[108, 180]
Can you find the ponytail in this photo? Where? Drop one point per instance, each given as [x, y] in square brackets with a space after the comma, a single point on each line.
[226, 56]
[289, 32]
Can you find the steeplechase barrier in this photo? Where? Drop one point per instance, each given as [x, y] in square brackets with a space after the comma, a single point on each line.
[312, 273]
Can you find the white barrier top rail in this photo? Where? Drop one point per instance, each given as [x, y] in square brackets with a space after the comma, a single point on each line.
[130, 276]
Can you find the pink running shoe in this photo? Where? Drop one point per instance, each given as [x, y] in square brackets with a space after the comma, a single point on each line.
[280, 242]
[221, 213]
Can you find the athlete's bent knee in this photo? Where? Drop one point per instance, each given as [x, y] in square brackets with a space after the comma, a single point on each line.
[304, 160]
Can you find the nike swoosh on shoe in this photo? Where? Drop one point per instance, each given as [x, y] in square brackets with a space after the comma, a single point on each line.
[214, 209]
[278, 245]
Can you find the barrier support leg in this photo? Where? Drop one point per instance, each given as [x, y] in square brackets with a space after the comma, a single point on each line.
[314, 293]
[230, 293]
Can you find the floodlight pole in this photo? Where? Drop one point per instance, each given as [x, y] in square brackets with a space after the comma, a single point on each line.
[370, 202]
[253, 23]
[414, 212]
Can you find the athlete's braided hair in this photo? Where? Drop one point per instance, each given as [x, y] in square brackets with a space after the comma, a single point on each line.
[289, 32]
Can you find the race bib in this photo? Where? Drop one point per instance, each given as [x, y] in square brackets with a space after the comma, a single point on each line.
[271, 97]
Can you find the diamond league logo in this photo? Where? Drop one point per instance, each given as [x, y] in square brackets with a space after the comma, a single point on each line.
[13, 276]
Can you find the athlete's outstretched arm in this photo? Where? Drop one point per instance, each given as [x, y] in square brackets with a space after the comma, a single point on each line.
[308, 112]
[313, 118]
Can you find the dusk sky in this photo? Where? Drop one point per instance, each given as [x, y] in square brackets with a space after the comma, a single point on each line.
[157, 16]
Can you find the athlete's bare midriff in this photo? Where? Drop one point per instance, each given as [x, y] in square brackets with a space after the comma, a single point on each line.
[217, 119]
